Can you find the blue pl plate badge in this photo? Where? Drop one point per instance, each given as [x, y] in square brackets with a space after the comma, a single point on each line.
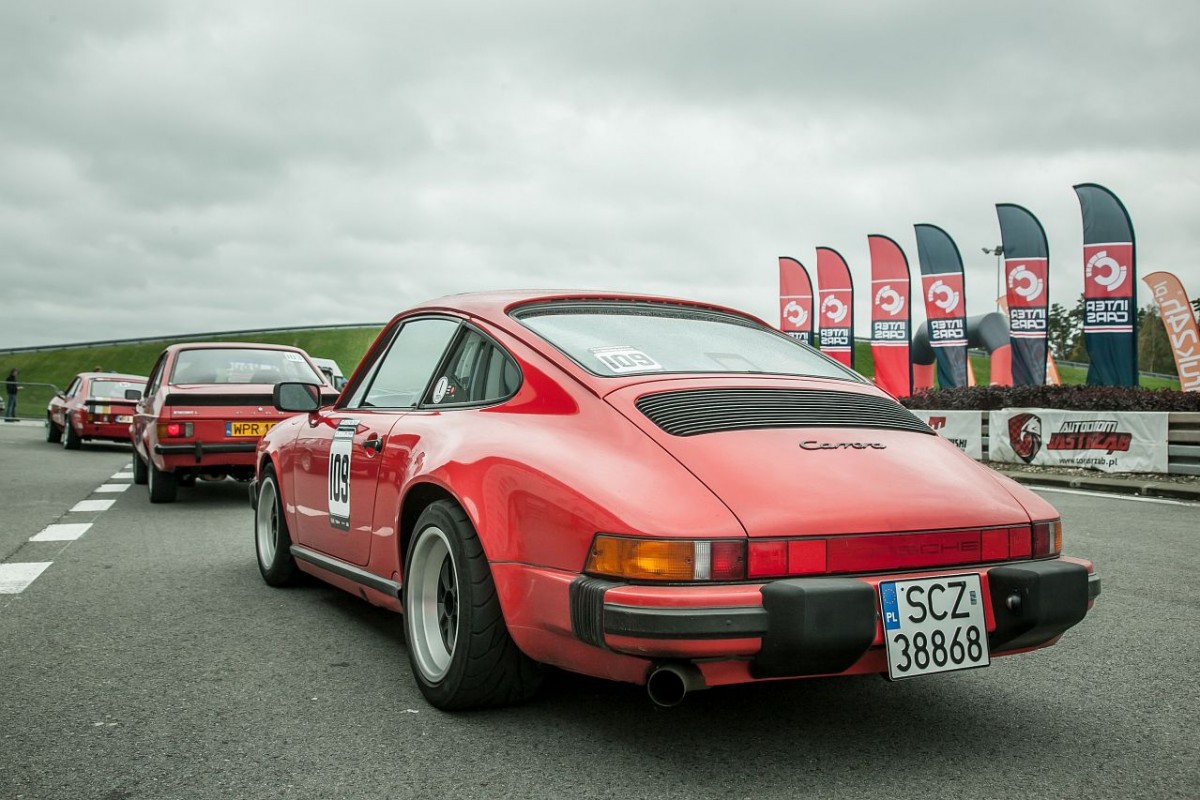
[891, 613]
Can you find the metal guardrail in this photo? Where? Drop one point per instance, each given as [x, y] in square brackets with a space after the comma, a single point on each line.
[207, 335]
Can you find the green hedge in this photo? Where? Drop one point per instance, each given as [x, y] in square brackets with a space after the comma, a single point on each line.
[1071, 398]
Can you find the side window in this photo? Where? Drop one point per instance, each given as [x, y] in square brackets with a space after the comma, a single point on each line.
[73, 389]
[155, 376]
[406, 368]
[477, 372]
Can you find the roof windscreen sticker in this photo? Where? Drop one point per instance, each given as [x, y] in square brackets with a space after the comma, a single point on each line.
[621, 359]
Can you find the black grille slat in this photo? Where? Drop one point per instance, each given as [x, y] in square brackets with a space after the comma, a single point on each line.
[691, 412]
[219, 400]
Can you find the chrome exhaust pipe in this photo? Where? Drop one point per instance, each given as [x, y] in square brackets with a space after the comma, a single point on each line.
[668, 684]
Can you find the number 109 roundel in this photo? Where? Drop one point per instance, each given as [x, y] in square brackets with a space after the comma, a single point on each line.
[649, 490]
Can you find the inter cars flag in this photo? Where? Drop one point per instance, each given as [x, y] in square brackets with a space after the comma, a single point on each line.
[1109, 288]
[1177, 316]
[836, 293]
[1026, 278]
[795, 300]
[945, 303]
[891, 316]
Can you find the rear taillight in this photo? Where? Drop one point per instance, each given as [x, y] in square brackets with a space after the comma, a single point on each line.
[666, 559]
[1047, 538]
[174, 430]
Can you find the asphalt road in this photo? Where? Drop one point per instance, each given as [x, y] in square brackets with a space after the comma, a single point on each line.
[150, 661]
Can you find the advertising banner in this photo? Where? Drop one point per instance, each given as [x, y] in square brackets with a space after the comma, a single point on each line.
[1109, 288]
[1180, 322]
[795, 300]
[891, 316]
[1109, 441]
[835, 289]
[963, 428]
[1027, 292]
[945, 303]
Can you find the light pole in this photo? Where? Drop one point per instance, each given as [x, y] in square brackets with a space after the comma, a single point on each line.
[998, 250]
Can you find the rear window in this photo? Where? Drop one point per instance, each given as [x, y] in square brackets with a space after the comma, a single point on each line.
[241, 365]
[113, 390]
[622, 338]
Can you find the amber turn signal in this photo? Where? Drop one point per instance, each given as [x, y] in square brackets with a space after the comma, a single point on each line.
[666, 559]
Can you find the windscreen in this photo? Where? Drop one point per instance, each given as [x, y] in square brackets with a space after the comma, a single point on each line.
[241, 365]
[620, 338]
[113, 389]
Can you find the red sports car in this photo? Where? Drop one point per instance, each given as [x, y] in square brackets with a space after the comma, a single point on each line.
[96, 406]
[649, 490]
[206, 406]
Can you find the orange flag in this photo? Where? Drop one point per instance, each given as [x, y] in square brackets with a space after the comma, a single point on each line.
[1176, 313]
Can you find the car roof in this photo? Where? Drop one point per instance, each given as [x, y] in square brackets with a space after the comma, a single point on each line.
[175, 348]
[497, 305]
[111, 376]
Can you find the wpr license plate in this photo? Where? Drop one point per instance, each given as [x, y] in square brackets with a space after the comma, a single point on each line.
[124, 418]
[240, 430]
[933, 625]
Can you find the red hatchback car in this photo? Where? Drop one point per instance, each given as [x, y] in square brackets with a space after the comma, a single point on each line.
[206, 406]
[649, 490]
[97, 406]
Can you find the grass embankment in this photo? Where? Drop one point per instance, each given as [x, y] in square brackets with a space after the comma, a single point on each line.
[58, 367]
[344, 346]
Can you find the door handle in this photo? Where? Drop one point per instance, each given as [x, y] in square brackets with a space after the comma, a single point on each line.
[374, 443]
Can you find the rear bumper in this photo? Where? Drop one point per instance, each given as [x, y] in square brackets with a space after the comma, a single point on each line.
[207, 454]
[116, 432]
[817, 626]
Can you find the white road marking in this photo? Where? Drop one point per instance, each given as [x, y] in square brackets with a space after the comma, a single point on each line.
[122, 476]
[61, 532]
[93, 505]
[113, 487]
[1110, 496]
[15, 577]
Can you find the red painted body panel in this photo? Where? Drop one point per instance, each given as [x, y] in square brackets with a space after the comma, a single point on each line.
[208, 420]
[569, 456]
[94, 418]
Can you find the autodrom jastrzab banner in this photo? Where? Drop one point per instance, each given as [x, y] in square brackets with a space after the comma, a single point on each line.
[1109, 441]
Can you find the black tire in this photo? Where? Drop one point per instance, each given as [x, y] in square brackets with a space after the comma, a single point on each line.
[458, 644]
[163, 486]
[70, 439]
[272, 540]
[140, 474]
[53, 432]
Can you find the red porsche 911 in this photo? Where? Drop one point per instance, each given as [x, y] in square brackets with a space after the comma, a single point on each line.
[649, 490]
[206, 406]
[97, 406]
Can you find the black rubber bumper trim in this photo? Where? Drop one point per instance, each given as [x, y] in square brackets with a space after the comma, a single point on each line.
[200, 449]
[341, 568]
[586, 600]
[685, 623]
[815, 626]
[1036, 602]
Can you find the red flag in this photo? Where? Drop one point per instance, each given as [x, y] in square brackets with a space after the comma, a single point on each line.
[836, 293]
[891, 316]
[795, 300]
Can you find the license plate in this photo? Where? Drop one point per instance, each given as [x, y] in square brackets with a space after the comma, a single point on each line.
[245, 430]
[933, 625]
[124, 418]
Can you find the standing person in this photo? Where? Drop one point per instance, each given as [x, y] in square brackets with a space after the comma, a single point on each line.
[10, 384]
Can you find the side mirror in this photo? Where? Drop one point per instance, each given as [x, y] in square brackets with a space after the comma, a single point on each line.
[133, 394]
[296, 396]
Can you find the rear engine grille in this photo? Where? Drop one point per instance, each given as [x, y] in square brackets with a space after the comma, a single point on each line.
[219, 400]
[695, 411]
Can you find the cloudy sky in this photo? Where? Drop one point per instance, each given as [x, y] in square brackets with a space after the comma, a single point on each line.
[174, 167]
